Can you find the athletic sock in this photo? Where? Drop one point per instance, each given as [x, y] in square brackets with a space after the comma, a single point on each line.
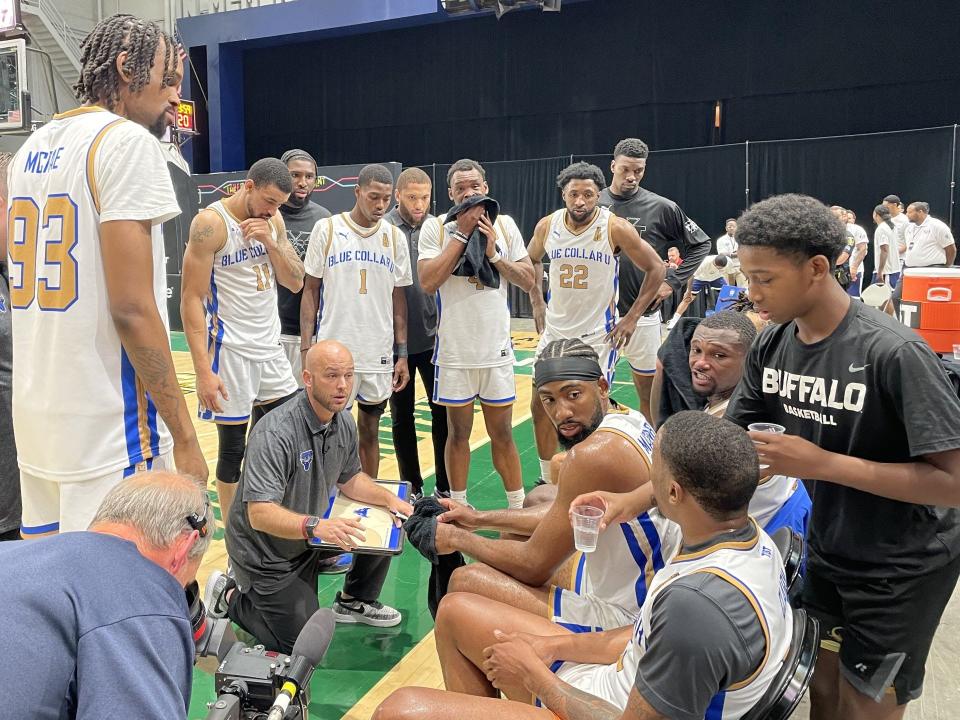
[545, 470]
[515, 498]
[459, 496]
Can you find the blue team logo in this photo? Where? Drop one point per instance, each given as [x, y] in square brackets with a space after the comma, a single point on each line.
[306, 458]
[362, 512]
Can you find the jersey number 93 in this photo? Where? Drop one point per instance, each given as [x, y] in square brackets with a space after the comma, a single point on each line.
[54, 230]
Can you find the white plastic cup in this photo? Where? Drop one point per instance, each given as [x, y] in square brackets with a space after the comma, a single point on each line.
[956, 352]
[586, 527]
[766, 427]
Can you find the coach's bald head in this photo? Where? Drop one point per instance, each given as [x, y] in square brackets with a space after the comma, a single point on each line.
[328, 377]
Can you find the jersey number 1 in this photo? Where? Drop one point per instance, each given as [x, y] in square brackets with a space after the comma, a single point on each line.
[59, 217]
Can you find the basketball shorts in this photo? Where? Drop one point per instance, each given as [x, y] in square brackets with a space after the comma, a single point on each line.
[371, 388]
[641, 351]
[291, 348]
[882, 627]
[461, 386]
[585, 613]
[248, 382]
[50, 506]
[699, 285]
[605, 351]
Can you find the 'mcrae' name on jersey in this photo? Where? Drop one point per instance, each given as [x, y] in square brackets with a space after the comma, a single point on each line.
[370, 257]
[810, 390]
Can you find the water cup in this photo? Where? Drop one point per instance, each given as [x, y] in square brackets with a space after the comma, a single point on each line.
[956, 352]
[586, 527]
[766, 428]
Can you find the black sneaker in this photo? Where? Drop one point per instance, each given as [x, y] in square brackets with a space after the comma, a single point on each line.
[438, 493]
[415, 497]
[368, 613]
[336, 565]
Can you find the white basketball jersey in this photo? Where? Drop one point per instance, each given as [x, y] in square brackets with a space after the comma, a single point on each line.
[753, 567]
[242, 300]
[79, 409]
[622, 567]
[360, 267]
[474, 325]
[584, 272]
[772, 491]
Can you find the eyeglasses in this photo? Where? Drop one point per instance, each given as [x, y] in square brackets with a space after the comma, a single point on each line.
[199, 522]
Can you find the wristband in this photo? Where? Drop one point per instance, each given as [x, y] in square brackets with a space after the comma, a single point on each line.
[400, 350]
[497, 257]
[461, 237]
[303, 527]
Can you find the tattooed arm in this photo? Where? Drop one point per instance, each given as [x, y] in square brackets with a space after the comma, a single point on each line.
[127, 250]
[569, 703]
[286, 263]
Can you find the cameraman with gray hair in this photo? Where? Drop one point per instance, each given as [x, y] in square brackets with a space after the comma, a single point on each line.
[97, 621]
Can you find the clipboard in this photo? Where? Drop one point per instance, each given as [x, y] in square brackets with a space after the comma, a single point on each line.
[383, 537]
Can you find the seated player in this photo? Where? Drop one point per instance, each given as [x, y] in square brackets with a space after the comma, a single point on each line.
[718, 349]
[609, 448]
[708, 641]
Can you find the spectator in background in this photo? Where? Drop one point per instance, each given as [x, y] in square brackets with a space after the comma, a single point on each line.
[714, 272]
[929, 243]
[900, 222]
[673, 258]
[841, 268]
[9, 474]
[727, 243]
[886, 259]
[861, 243]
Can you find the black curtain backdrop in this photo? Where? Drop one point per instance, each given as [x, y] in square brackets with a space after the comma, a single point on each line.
[856, 172]
[550, 84]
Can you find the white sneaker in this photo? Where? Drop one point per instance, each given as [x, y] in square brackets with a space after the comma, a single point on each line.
[369, 613]
[215, 593]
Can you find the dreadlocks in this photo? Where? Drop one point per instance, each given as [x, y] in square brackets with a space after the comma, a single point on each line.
[99, 79]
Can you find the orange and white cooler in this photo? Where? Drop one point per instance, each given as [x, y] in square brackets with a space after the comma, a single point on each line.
[931, 305]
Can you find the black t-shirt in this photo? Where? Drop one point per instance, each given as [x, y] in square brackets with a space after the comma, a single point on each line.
[299, 225]
[663, 224]
[874, 390]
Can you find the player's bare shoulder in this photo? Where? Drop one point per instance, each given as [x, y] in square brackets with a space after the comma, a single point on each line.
[208, 231]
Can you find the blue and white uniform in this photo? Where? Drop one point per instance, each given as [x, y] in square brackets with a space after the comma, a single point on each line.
[360, 268]
[613, 581]
[81, 416]
[584, 280]
[753, 568]
[243, 327]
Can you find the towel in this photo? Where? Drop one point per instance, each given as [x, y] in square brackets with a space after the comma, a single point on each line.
[474, 261]
[421, 531]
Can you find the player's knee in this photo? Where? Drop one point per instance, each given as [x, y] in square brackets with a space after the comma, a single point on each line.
[401, 704]
[542, 495]
[233, 444]
[469, 579]
[458, 431]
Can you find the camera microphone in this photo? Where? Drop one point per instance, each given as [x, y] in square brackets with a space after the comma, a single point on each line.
[308, 652]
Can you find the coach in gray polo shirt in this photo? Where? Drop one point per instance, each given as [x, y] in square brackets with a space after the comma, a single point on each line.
[297, 457]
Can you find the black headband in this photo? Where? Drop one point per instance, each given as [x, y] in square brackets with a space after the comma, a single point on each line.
[297, 154]
[565, 368]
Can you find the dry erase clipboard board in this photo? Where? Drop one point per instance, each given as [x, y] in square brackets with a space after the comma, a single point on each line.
[383, 537]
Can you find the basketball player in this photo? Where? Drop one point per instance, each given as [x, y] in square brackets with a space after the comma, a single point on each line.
[92, 368]
[584, 243]
[237, 253]
[474, 354]
[300, 214]
[871, 416]
[608, 448]
[357, 266]
[662, 223]
[708, 642]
